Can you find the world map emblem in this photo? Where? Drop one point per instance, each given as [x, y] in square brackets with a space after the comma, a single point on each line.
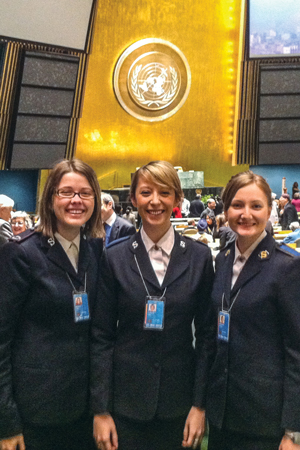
[152, 79]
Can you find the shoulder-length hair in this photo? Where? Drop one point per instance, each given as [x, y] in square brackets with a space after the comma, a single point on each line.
[48, 223]
[242, 180]
[162, 173]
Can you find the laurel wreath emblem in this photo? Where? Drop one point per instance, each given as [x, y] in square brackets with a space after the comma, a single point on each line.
[167, 98]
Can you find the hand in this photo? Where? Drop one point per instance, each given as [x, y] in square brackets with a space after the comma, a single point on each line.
[13, 443]
[105, 433]
[287, 444]
[194, 428]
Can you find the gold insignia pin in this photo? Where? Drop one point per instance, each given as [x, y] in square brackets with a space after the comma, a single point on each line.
[227, 253]
[264, 254]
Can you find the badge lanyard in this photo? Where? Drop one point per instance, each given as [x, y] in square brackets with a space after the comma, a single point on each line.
[80, 302]
[224, 320]
[154, 307]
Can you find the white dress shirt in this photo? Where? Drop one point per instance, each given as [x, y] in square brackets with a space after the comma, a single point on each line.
[241, 259]
[71, 248]
[159, 253]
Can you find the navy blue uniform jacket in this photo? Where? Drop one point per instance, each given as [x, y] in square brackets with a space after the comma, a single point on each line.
[44, 354]
[121, 228]
[141, 373]
[254, 384]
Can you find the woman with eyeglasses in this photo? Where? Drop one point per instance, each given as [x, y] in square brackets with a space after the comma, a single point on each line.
[47, 291]
[20, 222]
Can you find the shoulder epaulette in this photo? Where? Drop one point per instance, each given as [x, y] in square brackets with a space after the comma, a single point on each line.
[117, 241]
[287, 250]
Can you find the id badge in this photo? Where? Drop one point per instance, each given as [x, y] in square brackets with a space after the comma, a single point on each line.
[154, 313]
[81, 306]
[223, 326]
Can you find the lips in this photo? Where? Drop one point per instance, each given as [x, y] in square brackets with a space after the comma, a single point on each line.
[153, 212]
[75, 211]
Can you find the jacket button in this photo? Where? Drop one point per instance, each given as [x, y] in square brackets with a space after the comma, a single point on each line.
[226, 370]
[156, 365]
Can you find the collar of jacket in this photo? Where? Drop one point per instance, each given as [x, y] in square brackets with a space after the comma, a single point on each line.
[179, 260]
[58, 256]
[260, 256]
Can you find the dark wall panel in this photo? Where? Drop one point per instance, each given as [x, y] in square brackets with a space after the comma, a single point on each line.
[279, 114]
[44, 107]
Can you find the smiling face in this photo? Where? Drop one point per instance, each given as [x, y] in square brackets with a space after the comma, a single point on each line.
[18, 225]
[155, 204]
[72, 213]
[248, 214]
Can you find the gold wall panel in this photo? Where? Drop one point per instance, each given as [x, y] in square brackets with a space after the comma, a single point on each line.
[200, 135]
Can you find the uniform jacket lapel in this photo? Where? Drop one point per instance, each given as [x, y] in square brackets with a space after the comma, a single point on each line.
[178, 264]
[58, 256]
[255, 263]
[179, 261]
[138, 249]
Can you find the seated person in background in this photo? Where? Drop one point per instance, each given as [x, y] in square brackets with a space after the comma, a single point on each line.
[20, 222]
[209, 211]
[223, 231]
[288, 213]
[191, 225]
[202, 228]
[292, 237]
[203, 239]
[296, 201]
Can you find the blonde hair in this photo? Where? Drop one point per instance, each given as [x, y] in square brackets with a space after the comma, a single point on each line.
[162, 173]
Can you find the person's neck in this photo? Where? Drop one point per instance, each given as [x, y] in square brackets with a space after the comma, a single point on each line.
[70, 235]
[156, 234]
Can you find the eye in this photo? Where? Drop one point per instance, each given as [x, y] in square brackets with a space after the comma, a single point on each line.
[236, 205]
[145, 192]
[257, 206]
[165, 193]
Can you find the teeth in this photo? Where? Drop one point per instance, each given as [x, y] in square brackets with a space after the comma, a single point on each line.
[155, 213]
[75, 211]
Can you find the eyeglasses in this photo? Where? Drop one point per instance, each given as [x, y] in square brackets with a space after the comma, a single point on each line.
[68, 193]
[15, 224]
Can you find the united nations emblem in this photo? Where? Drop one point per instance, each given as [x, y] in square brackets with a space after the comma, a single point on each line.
[153, 85]
[152, 79]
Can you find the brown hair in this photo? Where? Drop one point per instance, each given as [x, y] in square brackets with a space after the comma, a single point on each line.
[220, 220]
[48, 227]
[241, 180]
[163, 173]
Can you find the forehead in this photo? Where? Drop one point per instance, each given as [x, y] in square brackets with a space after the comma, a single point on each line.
[251, 192]
[18, 219]
[73, 178]
[147, 180]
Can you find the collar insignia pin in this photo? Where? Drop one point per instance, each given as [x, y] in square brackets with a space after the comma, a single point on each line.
[51, 241]
[264, 254]
[227, 253]
[182, 244]
[135, 244]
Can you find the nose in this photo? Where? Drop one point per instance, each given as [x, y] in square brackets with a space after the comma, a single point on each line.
[155, 199]
[74, 199]
[246, 212]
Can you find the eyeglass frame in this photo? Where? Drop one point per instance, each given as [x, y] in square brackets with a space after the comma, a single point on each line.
[17, 223]
[74, 194]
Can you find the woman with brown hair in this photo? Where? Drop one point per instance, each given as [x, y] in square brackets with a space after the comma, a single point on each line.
[253, 399]
[44, 329]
